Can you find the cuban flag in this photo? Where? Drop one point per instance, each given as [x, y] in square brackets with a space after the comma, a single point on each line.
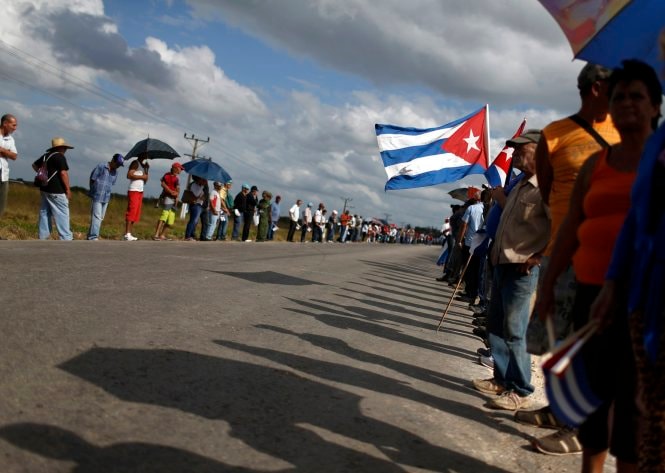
[416, 157]
[571, 396]
[498, 172]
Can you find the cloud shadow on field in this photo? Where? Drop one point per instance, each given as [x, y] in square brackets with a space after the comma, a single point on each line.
[275, 411]
[269, 277]
[128, 457]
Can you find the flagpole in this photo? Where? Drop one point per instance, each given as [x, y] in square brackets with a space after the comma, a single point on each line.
[487, 135]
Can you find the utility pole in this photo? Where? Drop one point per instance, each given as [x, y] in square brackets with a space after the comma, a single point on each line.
[346, 201]
[183, 207]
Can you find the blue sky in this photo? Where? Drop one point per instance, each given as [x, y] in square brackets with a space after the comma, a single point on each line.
[288, 92]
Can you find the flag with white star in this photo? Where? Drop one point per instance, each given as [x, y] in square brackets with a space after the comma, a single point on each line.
[415, 157]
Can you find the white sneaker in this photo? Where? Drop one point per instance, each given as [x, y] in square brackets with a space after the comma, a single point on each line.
[129, 237]
[248, 241]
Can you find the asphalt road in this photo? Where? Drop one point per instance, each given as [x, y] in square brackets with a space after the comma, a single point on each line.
[242, 357]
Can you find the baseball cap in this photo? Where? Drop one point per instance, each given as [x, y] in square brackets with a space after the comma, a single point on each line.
[245, 186]
[254, 188]
[529, 136]
[230, 181]
[176, 166]
[592, 73]
[217, 184]
[309, 204]
[118, 159]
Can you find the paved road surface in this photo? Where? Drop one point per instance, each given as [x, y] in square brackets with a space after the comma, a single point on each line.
[210, 357]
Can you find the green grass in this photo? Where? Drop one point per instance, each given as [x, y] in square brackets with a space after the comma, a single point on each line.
[20, 219]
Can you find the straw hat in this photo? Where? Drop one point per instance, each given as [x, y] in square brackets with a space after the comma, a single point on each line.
[58, 142]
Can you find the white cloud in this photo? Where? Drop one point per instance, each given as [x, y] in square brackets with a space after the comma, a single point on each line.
[298, 145]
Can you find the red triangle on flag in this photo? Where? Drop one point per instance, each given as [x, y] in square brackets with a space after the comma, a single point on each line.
[469, 141]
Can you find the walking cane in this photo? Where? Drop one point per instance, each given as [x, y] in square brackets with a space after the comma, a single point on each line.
[445, 312]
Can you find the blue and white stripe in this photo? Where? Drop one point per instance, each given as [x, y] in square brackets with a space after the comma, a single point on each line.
[414, 157]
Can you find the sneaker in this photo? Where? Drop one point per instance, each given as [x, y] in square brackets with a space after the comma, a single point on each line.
[190, 239]
[488, 386]
[486, 361]
[248, 241]
[561, 442]
[542, 417]
[129, 237]
[479, 322]
[484, 352]
[509, 401]
[442, 278]
[479, 310]
[465, 298]
[480, 332]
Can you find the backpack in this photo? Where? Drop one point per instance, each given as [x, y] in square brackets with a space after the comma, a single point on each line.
[42, 178]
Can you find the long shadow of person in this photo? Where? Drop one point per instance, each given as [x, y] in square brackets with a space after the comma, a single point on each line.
[348, 321]
[275, 411]
[135, 457]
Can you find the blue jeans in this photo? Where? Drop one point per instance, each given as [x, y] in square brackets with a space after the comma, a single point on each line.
[210, 227]
[237, 223]
[223, 224]
[194, 215]
[513, 294]
[54, 207]
[331, 233]
[97, 213]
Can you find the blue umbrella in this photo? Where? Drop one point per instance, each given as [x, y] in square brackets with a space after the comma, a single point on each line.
[612, 32]
[207, 169]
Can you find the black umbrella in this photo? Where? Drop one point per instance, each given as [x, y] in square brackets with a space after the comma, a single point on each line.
[155, 149]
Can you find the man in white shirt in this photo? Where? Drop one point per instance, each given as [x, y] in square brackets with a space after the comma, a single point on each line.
[8, 152]
[306, 222]
[294, 215]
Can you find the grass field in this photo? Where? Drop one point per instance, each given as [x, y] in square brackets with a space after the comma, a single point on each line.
[20, 219]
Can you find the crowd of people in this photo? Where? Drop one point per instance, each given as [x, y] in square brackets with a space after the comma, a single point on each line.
[209, 209]
[563, 242]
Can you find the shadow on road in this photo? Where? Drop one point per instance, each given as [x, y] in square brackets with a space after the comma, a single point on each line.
[269, 277]
[275, 411]
[60, 444]
[347, 320]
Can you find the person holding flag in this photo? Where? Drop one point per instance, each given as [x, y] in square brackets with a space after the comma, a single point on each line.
[598, 208]
[523, 233]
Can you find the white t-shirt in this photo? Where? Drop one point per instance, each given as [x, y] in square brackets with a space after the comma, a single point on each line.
[197, 190]
[6, 142]
[137, 184]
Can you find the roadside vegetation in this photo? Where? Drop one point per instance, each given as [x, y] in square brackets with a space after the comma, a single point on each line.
[20, 219]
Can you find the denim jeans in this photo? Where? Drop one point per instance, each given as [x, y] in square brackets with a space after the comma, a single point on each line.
[210, 227]
[237, 223]
[330, 236]
[97, 213]
[223, 224]
[513, 295]
[194, 215]
[54, 207]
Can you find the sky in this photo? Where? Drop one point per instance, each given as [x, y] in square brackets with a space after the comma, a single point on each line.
[287, 91]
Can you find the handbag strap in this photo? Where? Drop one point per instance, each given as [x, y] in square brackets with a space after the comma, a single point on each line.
[589, 129]
[46, 158]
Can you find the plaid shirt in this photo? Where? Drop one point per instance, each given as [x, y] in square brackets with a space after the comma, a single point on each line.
[101, 181]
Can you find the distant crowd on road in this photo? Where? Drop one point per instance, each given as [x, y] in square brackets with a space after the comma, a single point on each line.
[210, 210]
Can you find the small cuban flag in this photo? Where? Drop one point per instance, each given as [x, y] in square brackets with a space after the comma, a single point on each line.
[571, 396]
[499, 171]
[416, 157]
